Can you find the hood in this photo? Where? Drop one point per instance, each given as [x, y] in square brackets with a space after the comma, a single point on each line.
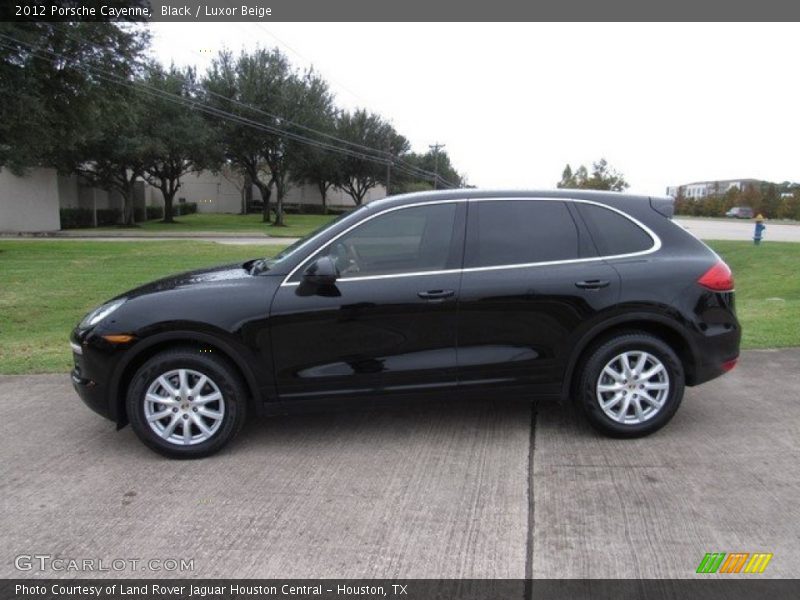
[212, 276]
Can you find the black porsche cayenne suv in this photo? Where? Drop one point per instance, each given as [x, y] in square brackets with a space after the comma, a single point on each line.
[593, 296]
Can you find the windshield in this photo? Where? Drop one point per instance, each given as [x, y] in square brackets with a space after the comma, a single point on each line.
[289, 252]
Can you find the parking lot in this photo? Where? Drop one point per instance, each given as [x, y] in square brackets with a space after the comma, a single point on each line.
[735, 229]
[470, 490]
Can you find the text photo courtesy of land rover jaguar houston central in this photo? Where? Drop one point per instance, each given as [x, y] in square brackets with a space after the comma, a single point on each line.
[597, 297]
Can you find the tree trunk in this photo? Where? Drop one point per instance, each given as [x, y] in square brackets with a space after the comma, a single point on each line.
[357, 190]
[126, 190]
[323, 191]
[281, 188]
[358, 193]
[168, 200]
[247, 193]
[266, 192]
[127, 208]
[168, 190]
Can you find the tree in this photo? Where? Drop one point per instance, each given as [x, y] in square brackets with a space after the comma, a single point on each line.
[318, 166]
[433, 162]
[751, 196]
[232, 85]
[790, 206]
[239, 180]
[113, 158]
[307, 100]
[568, 179]
[771, 203]
[52, 86]
[603, 177]
[360, 173]
[179, 140]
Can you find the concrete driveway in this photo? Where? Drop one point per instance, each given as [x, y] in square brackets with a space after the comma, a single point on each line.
[468, 490]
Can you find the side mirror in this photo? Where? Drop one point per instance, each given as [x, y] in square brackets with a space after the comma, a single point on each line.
[322, 271]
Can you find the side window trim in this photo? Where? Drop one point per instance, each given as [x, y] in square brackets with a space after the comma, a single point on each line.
[586, 246]
[468, 201]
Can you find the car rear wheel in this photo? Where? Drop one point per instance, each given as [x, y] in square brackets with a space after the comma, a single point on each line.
[631, 385]
[186, 403]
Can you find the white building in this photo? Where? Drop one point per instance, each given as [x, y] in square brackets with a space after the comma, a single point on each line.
[31, 203]
[701, 189]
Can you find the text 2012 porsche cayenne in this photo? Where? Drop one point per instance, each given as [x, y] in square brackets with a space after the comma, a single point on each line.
[594, 296]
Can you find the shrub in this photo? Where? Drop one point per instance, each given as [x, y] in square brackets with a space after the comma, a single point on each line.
[311, 209]
[184, 208]
[74, 218]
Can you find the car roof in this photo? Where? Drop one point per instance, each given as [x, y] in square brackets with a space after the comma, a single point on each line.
[603, 197]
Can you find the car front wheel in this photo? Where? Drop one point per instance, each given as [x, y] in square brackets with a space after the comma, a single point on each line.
[631, 385]
[186, 403]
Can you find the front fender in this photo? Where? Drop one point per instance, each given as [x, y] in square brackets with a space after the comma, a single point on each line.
[261, 389]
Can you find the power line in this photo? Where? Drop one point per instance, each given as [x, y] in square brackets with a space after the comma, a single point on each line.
[104, 75]
[305, 58]
[435, 149]
[419, 172]
[222, 114]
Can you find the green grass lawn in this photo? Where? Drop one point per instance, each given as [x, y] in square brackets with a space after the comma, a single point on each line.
[296, 225]
[767, 281]
[47, 286]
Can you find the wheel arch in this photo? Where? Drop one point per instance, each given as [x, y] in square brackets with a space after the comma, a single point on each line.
[151, 346]
[661, 326]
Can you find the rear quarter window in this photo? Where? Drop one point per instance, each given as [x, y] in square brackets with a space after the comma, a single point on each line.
[612, 232]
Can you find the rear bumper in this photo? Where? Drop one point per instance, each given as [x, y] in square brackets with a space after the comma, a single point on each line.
[707, 371]
[716, 352]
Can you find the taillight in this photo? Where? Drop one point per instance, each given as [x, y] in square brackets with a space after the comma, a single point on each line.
[728, 365]
[718, 278]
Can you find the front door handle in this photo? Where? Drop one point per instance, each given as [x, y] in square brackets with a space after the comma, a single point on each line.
[592, 284]
[436, 294]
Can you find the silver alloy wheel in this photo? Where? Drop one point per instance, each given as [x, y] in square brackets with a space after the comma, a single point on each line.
[184, 407]
[633, 387]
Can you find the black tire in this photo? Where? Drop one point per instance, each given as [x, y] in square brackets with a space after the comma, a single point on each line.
[219, 372]
[604, 352]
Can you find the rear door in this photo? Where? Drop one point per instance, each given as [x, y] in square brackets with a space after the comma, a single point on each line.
[531, 277]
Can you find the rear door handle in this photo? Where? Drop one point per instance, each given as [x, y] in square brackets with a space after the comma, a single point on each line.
[592, 284]
[436, 294]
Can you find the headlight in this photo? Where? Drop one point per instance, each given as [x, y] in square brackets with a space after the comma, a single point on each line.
[100, 313]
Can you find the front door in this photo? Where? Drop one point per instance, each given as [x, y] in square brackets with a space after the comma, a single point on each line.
[389, 321]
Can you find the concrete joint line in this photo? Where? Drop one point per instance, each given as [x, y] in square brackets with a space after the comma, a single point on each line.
[531, 511]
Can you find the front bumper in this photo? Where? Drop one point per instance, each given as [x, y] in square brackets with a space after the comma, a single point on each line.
[92, 394]
[91, 376]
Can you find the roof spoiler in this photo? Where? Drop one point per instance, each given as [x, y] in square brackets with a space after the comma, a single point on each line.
[663, 206]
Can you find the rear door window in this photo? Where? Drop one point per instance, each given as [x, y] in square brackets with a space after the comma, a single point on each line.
[511, 232]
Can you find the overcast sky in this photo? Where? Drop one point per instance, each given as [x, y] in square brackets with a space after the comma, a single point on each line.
[663, 103]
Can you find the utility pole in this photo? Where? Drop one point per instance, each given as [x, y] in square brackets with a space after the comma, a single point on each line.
[435, 148]
[388, 176]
